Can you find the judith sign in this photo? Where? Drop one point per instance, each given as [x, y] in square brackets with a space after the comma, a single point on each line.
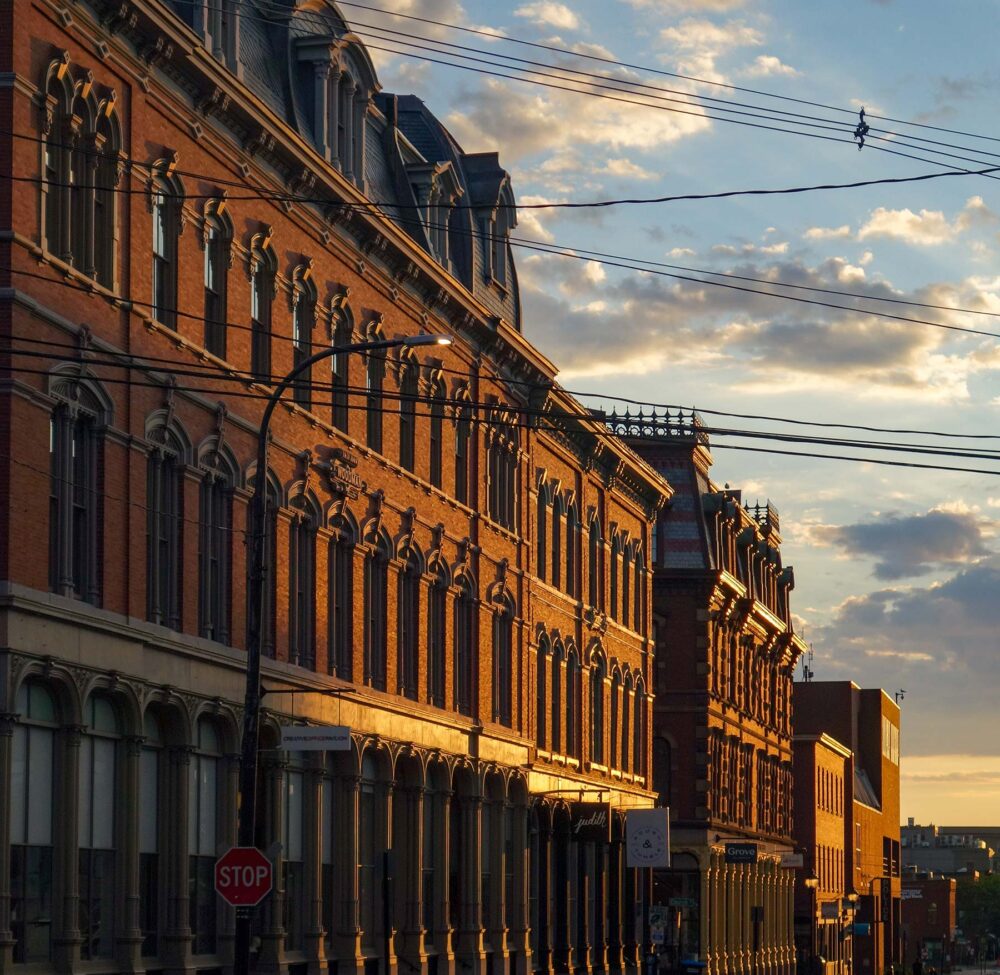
[590, 822]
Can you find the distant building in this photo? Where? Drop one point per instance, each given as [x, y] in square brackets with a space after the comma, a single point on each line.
[726, 651]
[929, 920]
[866, 721]
[949, 850]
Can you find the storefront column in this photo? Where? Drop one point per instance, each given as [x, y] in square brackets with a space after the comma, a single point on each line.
[347, 938]
[518, 937]
[410, 808]
[7, 722]
[67, 940]
[313, 812]
[270, 958]
[443, 932]
[470, 938]
[130, 934]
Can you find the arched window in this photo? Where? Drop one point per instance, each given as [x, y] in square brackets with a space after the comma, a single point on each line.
[56, 162]
[615, 559]
[639, 592]
[594, 565]
[502, 460]
[33, 799]
[167, 199]
[572, 548]
[597, 675]
[557, 552]
[302, 582]
[376, 609]
[217, 239]
[373, 400]
[437, 601]
[558, 656]
[542, 665]
[573, 704]
[99, 787]
[503, 662]
[75, 497]
[504, 221]
[436, 443]
[626, 739]
[341, 593]
[150, 792]
[204, 809]
[626, 605]
[613, 730]
[408, 389]
[541, 518]
[106, 178]
[408, 622]
[639, 729]
[342, 330]
[263, 288]
[303, 320]
[465, 646]
[164, 528]
[463, 453]
[215, 552]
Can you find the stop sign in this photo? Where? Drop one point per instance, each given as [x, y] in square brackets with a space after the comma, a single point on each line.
[243, 876]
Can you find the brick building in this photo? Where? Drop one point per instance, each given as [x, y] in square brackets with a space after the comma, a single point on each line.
[722, 746]
[824, 915]
[929, 920]
[203, 197]
[867, 723]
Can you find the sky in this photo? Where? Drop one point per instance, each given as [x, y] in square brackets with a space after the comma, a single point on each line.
[897, 569]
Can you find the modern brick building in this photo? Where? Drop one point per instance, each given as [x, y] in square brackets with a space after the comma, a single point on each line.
[203, 196]
[722, 725]
[867, 723]
[930, 920]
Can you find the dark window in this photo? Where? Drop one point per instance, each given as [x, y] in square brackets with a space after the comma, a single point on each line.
[267, 606]
[216, 265]
[626, 713]
[166, 213]
[436, 435]
[407, 416]
[150, 792]
[572, 543]
[204, 790]
[626, 606]
[80, 198]
[376, 569]
[341, 590]
[556, 573]
[541, 517]
[75, 500]
[613, 732]
[463, 448]
[573, 705]
[437, 601]
[164, 524]
[465, 648]
[261, 300]
[541, 673]
[215, 558]
[373, 401]
[56, 164]
[594, 565]
[105, 185]
[302, 585]
[503, 665]
[639, 731]
[408, 613]
[340, 373]
[557, 698]
[304, 317]
[597, 672]
[502, 461]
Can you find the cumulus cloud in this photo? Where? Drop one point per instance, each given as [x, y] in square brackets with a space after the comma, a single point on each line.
[927, 228]
[697, 44]
[674, 6]
[827, 233]
[547, 13]
[626, 168]
[767, 64]
[911, 545]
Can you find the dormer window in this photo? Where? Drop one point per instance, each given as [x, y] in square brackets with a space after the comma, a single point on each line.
[498, 246]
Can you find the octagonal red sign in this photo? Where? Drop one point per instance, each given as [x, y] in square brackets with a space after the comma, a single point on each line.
[243, 876]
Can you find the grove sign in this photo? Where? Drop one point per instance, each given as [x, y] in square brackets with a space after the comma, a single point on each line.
[243, 876]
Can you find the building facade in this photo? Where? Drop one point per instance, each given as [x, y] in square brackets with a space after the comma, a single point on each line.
[722, 724]
[947, 849]
[930, 921]
[867, 722]
[201, 197]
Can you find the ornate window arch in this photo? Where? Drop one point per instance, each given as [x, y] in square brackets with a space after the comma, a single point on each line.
[302, 579]
[340, 584]
[56, 159]
[542, 664]
[614, 735]
[464, 445]
[262, 269]
[108, 172]
[217, 244]
[626, 721]
[465, 630]
[409, 388]
[437, 608]
[79, 417]
[595, 560]
[269, 605]
[598, 672]
[376, 609]
[438, 393]
[215, 541]
[573, 703]
[502, 447]
[639, 728]
[503, 657]
[166, 202]
[571, 581]
[304, 300]
[408, 621]
[341, 335]
[374, 380]
[555, 569]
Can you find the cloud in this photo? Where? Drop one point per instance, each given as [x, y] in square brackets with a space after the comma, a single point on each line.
[927, 228]
[765, 65]
[549, 14]
[827, 233]
[911, 545]
[626, 168]
[698, 44]
[673, 6]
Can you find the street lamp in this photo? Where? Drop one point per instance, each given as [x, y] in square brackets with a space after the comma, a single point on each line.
[256, 532]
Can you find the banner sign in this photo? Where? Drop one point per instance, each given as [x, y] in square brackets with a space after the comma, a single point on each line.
[590, 822]
[301, 738]
[789, 861]
[885, 900]
[741, 853]
[647, 837]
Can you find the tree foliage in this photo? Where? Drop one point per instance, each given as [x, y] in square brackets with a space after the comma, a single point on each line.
[978, 903]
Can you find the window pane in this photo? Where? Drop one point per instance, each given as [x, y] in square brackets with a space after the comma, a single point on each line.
[86, 790]
[293, 817]
[206, 811]
[104, 794]
[149, 795]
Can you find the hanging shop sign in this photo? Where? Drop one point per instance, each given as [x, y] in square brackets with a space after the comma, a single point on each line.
[741, 853]
[302, 738]
[885, 898]
[791, 861]
[590, 822]
[647, 837]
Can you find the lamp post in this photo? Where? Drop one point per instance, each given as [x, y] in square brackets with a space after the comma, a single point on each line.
[256, 537]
